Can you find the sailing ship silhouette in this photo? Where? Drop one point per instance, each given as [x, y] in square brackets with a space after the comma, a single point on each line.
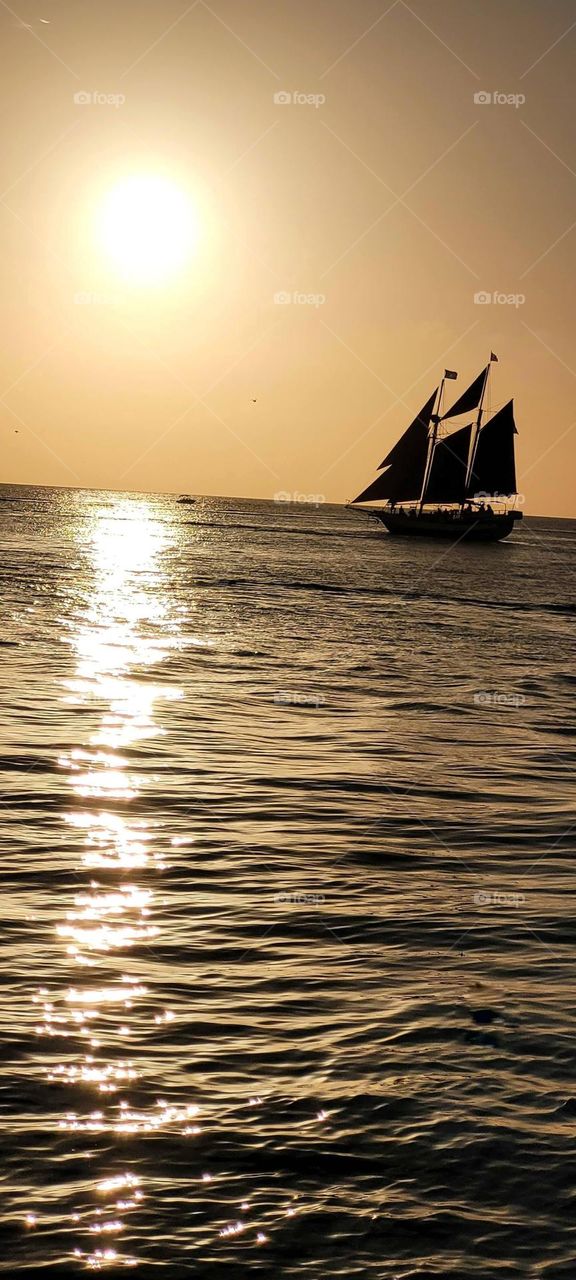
[440, 485]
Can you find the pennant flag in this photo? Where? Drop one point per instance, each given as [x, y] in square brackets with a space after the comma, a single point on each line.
[493, 357]
[449, 373]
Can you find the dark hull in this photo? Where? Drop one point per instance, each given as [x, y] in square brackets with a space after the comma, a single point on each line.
[475, 528]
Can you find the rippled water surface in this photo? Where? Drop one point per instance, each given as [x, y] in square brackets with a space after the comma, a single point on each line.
[287, 849]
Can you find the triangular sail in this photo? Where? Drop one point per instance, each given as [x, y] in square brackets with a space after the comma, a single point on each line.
[447, 479]
[402, 482]
[412, 433]
[493, 468]
[380, 488]
[405, 464]
[470, 399]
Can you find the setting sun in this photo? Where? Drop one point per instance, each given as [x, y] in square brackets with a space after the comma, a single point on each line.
[147, 227]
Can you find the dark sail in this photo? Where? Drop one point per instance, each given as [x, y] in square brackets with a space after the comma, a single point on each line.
[413, 432]
[447, 480]
[400, 483]
[405, 464]
[470, 398]
[380, 488]
[494, 468]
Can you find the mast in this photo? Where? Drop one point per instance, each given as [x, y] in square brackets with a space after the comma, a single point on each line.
[477, 430]
[433, 437]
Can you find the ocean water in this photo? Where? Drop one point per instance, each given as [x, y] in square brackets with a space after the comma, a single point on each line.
[287, 839]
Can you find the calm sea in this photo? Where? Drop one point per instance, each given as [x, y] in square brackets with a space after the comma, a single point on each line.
[288, 893]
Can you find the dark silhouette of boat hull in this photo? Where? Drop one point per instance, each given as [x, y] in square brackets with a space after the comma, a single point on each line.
[475, 527]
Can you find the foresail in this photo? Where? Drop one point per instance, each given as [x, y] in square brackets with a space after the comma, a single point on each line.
[380, 488]
[402, 481]
[417, 430]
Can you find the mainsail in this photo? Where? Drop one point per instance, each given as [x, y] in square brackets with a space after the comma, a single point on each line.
[412, 433]
[447, 478]
[493, 467]
[470, 399]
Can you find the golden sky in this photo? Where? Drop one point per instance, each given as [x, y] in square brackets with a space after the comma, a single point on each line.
[376, 202]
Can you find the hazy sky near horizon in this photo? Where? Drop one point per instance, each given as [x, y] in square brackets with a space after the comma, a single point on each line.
[379, 213]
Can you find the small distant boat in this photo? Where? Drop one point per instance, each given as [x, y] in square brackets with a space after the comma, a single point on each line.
[441, 483]
[186, 499]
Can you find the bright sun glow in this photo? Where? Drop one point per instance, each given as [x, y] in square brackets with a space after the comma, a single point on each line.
[148, 228]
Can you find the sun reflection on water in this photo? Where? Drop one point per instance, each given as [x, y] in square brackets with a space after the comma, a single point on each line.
[126, 629]
[103, 1030]
[113, 842]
